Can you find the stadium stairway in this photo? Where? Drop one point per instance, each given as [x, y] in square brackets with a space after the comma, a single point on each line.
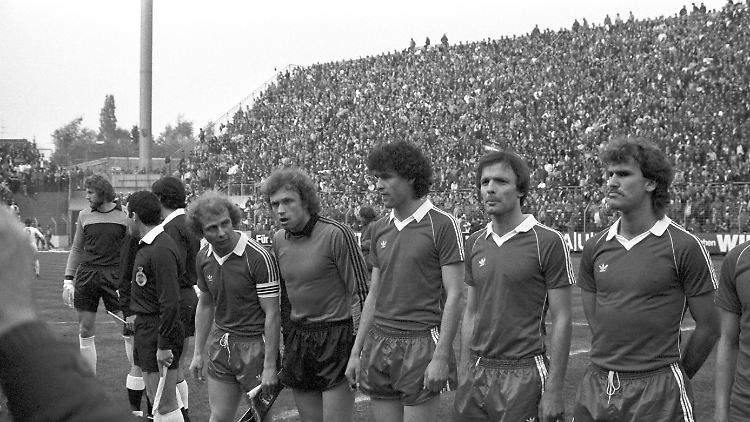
[44, 207]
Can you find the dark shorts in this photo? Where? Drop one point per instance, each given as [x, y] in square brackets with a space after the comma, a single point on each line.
[93, 283]
[501, 390]
[145, 343]
[315, 355]
[234, 359]
[392, 365]
[662, 395]
[188, 304]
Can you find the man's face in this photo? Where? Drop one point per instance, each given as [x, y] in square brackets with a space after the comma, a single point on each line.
[498, 189]
[394, 189]
[289, 209]
[95, 200]
[218, 230]
[627, 188]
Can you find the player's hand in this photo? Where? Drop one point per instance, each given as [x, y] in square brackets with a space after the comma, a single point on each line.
[352, 372]
[196, 367]
[551, 407]
[130, 322]
[269, 380]
[436, 374]
[68, 292]
[164, 357]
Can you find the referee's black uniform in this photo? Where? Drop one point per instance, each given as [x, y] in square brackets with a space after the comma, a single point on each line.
[155, 299]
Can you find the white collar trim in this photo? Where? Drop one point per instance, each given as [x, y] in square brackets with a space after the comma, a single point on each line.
[151, 235]
[173, 215]
[417, 216]
[527, 224]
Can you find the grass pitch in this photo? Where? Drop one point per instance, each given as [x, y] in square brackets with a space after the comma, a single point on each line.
[112, 366]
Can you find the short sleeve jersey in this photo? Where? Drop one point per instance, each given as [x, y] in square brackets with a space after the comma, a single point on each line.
[734, 296]
[321, 271]
[641, 293]
[511, 281]
[410, 255]
[98, 239]
[236, 282]
[154, 287]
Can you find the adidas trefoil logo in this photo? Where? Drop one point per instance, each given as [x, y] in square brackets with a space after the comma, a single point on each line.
[383, 243]
[482, 261]
[603, 268]
[531, 419]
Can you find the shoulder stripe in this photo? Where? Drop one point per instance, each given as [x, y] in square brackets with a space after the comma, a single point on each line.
[568, 264]
[356, 259]
[272, 268]
[456, 229]
[704, 251]
[739, 256]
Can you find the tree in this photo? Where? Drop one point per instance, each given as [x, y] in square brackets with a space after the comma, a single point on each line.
[108, 121]
[174, 138]
[72, 142]
[135, 134]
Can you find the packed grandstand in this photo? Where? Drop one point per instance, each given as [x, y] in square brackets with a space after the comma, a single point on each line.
[553, 96]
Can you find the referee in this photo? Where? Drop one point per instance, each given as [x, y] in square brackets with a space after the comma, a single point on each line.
[155, 300]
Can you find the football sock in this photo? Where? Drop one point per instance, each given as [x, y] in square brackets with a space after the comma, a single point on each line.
[88, 351]
[135, 386]
[173, 416]
[182, 393]
[149, 406]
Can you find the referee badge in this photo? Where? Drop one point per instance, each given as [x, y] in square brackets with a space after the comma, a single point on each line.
[140, 277]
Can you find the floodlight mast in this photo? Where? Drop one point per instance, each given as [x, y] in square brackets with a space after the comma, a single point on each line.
[145, 139]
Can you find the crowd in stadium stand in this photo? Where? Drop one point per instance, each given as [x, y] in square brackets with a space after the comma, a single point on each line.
[553, 96]
[23, 171]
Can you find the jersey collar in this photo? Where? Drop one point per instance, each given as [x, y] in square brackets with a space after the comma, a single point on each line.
[238, 250]
[151, 235]
[657, 229]
[173, 215]
[417, 216]
[523, 227]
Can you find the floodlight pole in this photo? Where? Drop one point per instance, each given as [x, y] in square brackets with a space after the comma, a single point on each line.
[147, 30]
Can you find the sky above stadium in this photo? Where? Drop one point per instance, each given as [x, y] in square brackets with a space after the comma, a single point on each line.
[58, 59]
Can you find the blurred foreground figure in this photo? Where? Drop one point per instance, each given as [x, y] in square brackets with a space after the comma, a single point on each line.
[43, 378]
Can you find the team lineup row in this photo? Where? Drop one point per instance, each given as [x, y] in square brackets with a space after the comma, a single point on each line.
[389, 331]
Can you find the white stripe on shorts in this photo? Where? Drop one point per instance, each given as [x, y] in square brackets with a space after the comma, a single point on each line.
[687, 407]
[542, 368]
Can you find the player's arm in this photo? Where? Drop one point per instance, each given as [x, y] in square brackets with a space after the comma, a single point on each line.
[437, 370]
[467, 327]
[552, 405]
[365, 322]
[351, 264]
[726, 360]
[204, 319]
[272, 331]
[267, 279]
[700, 344]
[74, 258]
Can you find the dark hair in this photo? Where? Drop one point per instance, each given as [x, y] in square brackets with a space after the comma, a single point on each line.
[367, 213]
[170, 191]
[652, 161]
[406, 160]
[294, 179]
[211, 203]
[28, 222]
[515, 162]
[147, 206]
[101, 186]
